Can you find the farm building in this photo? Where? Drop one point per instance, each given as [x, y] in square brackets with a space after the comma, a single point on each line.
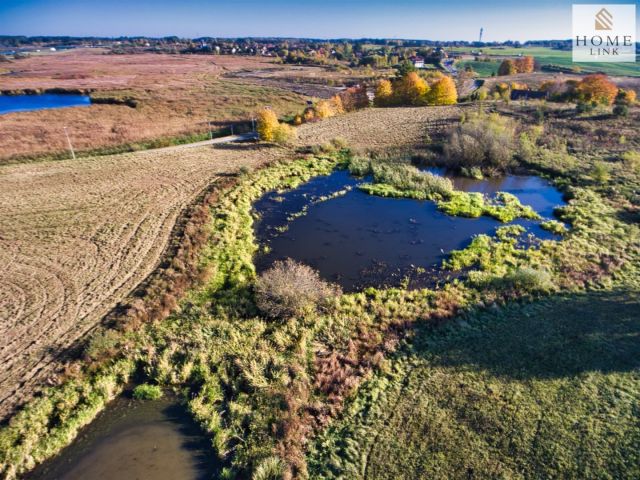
[418, 62]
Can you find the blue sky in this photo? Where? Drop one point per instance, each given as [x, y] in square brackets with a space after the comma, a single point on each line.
[435, 20]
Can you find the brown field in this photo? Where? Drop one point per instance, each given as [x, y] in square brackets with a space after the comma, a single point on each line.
[175, 94]
[77, 236]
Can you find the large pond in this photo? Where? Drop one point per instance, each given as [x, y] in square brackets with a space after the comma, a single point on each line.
[150, 440]
[23, 103]
[358, 240]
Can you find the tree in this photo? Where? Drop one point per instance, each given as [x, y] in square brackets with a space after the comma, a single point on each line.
[443, 92]
[384, 94]
[411, 89]
[597, 88]
[524, 64]
[324, 109]
[267, 124]
[354, 98]
[336, 102]
[626, 97]
[404, 68]
[507, 67]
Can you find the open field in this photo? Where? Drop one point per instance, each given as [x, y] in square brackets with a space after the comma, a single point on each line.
[174, 95]
[562, 58]
[78, 236]
[89, 231]
[528, 391]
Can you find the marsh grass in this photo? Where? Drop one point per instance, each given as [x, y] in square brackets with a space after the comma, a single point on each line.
[397, 178]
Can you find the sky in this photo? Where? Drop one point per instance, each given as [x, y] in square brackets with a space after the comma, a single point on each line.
[408, 19]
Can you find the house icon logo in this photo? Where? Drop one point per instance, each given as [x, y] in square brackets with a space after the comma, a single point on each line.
[604, 20]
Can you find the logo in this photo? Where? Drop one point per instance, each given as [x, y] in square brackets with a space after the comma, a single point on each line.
[604, 33]
[604, 20]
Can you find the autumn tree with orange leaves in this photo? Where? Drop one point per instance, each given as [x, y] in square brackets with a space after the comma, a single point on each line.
[507, 67]
[597, 88]
[524, 64]
[410, 89]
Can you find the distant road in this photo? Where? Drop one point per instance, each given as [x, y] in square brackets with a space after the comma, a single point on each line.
[227, 139]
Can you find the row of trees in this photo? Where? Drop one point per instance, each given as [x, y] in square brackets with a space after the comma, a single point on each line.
[271, 130]
[595, 89]
[519, 65]
[412, 89]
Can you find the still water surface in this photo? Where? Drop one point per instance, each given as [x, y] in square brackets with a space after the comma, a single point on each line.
[359, 240]
[24, 103]
[145, 440]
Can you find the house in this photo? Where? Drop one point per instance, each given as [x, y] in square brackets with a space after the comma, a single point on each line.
[517, 94]
[418, 62]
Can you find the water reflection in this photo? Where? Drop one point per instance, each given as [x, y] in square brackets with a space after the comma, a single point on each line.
[358, 240]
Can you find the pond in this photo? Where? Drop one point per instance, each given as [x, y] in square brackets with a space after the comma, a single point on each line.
[359, 240]
[24, 103]
[144, 440]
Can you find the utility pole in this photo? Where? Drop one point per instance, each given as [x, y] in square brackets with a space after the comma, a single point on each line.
[73, 154]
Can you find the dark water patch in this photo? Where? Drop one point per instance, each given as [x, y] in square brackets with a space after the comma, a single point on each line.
[24, 103]
[145, 440]
[358, 240]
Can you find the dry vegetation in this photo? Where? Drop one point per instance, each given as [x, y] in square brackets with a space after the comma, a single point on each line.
[77, 237]
[175, 95]
[378, 128]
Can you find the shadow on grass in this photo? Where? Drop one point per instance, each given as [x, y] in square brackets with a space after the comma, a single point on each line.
[557, 337]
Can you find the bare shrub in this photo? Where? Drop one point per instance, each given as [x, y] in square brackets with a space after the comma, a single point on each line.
[291, 289]
[486, 142]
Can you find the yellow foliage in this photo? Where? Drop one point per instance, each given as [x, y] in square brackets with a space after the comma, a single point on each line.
[284, 134]
[309, 115]
[411, 89]
[267, 124]
[324, 109]
[443, 92]
[337, 105]
[384, 93]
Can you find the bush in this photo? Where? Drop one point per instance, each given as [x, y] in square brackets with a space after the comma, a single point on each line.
[485, 142]
[620, 110]
[529, 280]
[284, 134]
[103, 344]
[600, 173]
[290, 289]
[147, 392]
[554, 226]
[631, 159]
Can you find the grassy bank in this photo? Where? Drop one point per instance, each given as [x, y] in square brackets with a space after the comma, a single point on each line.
[545, 389]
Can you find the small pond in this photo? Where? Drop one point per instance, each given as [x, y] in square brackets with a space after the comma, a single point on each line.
[24, 103]
[143, 440]
[359, 240]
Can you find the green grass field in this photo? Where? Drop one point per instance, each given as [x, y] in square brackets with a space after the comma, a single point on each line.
[561, 58]
[549, 389]
[483, 69]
